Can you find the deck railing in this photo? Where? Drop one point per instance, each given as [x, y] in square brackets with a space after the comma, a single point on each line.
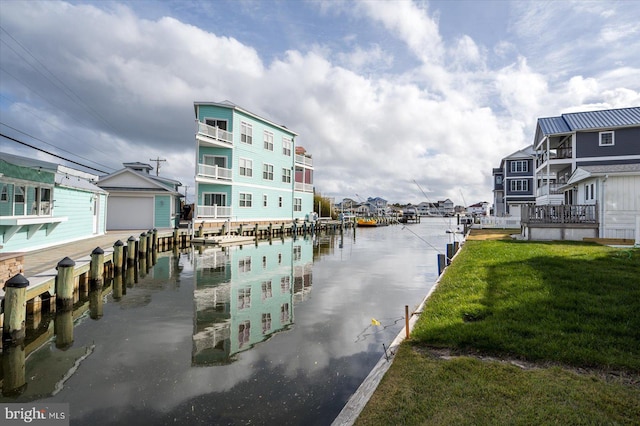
[563, 213]
[549, 189]
[303, 159]
[213, 212]
[215, 132]
[304, 187]
[214, 172]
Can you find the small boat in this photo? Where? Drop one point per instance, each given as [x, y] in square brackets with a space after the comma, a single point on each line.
[367, 222]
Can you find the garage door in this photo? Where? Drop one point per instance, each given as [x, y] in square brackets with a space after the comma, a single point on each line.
[129, 213]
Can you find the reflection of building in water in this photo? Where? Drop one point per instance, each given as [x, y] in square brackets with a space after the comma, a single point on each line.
[245, 294]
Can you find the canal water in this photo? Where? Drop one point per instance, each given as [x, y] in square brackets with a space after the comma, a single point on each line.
[281, 332]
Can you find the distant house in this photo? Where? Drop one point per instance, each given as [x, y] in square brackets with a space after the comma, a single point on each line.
[588, 176]
[139, 200]
[43, 204]
[513, 183]
[423, 208]
[479, 209]
[377, 206]
[248, 167]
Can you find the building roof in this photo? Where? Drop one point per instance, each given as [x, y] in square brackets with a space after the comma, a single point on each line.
[28, 162]
[231, 105]
[585, 172]
[589, 120]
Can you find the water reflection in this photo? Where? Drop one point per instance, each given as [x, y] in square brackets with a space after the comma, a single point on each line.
[275, 333]
[245, 295]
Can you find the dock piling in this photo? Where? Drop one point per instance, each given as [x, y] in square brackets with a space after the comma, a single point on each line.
[64, 283]
[15, 309]
[96, 268]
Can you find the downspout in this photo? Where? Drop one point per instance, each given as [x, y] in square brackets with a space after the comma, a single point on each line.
[602, 197]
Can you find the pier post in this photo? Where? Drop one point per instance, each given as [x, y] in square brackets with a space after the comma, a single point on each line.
[97, 268]
[442, 263]
[449, 253]
[118, 256]
[15, 309]
[95, 303]
[13, 366]
[63, 327]
[142, 248]
[117, 285]
[131, 251]
[270, 229]
[406, 320]
[175, 237]
[64, 283]
[240, 229]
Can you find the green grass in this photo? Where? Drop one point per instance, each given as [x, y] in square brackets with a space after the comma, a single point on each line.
[571, 305]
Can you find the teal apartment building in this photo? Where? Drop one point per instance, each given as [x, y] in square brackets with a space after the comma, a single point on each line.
[248, 168]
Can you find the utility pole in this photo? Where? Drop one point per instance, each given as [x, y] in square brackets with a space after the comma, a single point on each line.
[158, 161]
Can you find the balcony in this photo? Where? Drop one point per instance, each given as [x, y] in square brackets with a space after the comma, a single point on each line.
[213, 212]
[555, 154]
[214, 173]
[560, 214]
[549, 189]
[304, 160]
[214, 135]
[303, 187]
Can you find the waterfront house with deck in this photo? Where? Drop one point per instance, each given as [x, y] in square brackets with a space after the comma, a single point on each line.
[43, 204]
[587, 176]
[139, 200]
[513, 184]
[248, 168]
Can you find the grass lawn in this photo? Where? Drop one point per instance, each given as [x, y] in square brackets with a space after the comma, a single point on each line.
[570, 311]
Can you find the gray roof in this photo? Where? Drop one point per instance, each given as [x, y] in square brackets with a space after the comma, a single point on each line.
[576, 121]
[612, 168]
[28, 162]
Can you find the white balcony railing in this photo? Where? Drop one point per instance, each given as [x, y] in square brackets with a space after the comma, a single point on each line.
[214, 172]
[303, 159]
[549, 189]
[304, 187]
[215, 133]
[213, 212]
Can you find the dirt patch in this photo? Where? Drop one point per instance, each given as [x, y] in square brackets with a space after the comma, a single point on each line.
[491, 234]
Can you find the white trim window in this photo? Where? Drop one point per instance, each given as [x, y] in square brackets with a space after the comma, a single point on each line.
[285, 284]
[519, 166]
[286, 175]
[244, 298]
[245, 199]
[286, 147]
[589, 191]
[246, 133]
[267, 171]
[268, 140]
[266, 322]
[279, 201]
[297, 204]
[607, 138]
[519, 185]
[246, 167]
[264, 200]
[266, 290]
[214, 122]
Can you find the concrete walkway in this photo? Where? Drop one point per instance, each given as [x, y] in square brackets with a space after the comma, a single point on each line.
[41, 260]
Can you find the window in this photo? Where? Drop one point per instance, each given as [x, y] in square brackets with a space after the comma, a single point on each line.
[244, 333]
[286, 147]
[607, 139]
[498, 180]
[244, 264]
[279, 201]
[246, 167]
[245, 199]
[297, 253]
[267, 171]
[264, 262]
[266, 290]
[220, 124]
[4, 192]
[286, 175]
[266, 323]
[215, 160]
[18, 197]
[297, 204]
[519, 185]
[244, 298]
[268, 141]
[44, 195]
[519, 166]
[589, 192]
[246, 133]
[284, 313]
[285, 284]
[264, 200]
[215, 199]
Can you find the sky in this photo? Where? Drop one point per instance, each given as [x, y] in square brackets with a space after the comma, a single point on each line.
[410, 101]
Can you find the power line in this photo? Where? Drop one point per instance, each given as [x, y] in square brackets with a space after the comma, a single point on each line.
[158, 161]
[49, 153]
[61, 149]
